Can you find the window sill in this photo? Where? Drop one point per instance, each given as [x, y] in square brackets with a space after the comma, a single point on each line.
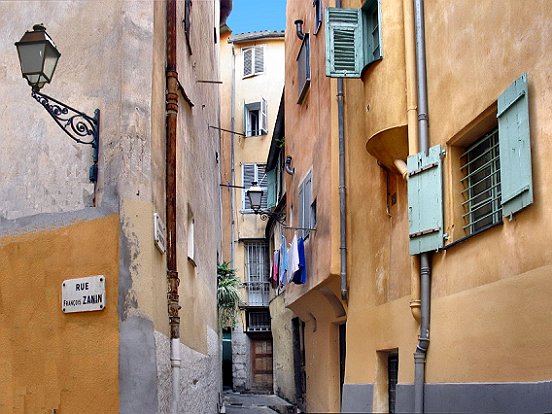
[469, 236]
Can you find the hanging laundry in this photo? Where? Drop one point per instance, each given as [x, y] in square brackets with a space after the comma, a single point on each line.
[293, 259]
[283, 261]
[275, 261]
[300, 276]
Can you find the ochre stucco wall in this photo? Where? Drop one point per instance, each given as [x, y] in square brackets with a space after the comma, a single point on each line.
[50, 359]
[490, 303]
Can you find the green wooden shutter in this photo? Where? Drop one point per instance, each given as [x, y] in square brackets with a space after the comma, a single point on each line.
[344, 43]
[300, 206]
[372, 15]
[271, 188]
[425, 201]
[515, 147]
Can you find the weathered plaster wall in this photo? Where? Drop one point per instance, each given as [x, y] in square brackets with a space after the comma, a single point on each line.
[282, 339]
[51, 360]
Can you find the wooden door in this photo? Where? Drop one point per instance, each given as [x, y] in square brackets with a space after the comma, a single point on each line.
[261, 365]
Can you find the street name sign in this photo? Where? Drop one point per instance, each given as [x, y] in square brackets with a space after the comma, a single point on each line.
[84, 294]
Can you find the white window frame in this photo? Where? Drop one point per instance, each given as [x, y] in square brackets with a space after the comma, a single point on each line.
[261, 182]
[255, 51]
[262, 122]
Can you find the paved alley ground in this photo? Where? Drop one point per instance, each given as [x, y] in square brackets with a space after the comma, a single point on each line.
[235, 403]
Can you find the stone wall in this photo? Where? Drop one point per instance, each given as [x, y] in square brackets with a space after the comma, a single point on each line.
[241, 360]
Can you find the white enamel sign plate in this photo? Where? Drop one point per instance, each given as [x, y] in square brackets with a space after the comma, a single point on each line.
[83, 295]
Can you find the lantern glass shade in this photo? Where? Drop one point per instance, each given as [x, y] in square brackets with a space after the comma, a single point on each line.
[255, 193]
[38, 57]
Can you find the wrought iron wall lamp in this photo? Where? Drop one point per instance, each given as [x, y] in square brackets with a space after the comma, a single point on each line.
[38, 57]
[255, 194]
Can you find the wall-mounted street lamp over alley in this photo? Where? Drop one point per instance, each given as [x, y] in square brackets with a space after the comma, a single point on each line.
[255, 194]
[38, 57]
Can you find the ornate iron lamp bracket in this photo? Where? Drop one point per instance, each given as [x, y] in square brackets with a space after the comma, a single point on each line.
[80, 127]
[266, 214]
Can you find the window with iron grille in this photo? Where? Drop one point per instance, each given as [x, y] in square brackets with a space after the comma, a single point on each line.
[253, 61]
[258, 321]
[254, 173]
[303, 68]
[481, 181]
[257, 268]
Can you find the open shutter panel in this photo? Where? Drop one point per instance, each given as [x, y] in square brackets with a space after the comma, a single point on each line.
[373, 45]
[262, 180]
[515, 147]
[245, 120]
[259, 59]
[344, 43]
[308, 201]
[247, 62]
[272, 188]
[425, 201]
[264, 121]
[248, 178]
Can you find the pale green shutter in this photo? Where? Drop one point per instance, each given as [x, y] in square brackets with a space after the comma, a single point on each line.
[372, 14]
[271, 188]
[425, 201]
[515, 147]
[344, 43]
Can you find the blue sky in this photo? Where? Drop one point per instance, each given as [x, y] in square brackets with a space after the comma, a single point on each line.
[255, 15]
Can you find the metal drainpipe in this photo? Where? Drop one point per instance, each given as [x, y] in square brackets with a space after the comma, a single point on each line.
[170, 194]
[233, 170]
[425, 266]
[342, 205]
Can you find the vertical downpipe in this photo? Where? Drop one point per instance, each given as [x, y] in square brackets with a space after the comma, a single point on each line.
[425, 266]
[342, 205]
[170, 194]
[233, 170]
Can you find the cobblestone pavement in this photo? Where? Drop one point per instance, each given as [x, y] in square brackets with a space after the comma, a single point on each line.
[236, 403]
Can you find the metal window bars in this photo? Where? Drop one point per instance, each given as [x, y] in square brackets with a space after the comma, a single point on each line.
[482, 183]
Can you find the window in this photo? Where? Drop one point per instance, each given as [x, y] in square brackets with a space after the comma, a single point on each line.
[253, 61]
[317, 15]
[481, 181]
[255, 120]
[257, 270]
[303, 68]
[353, 39]
[187, 23]
[191, 240]
[254, 172]
[306, 206]
[495, 172]
[258, 321]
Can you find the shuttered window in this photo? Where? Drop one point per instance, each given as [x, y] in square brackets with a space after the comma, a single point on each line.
[272, 188]
[353, 39]
[254, 173]
[303, 68]
[515, 147]
[425, 201]
[253, 61]
[306, 206]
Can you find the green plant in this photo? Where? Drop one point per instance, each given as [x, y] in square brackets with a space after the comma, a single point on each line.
[228, 295]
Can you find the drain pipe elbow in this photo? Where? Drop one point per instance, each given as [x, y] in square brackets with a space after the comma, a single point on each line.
[402, 168]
